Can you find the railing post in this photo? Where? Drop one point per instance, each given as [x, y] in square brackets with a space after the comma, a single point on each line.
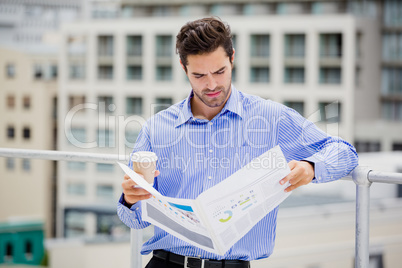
[135, 245]
[360, 177]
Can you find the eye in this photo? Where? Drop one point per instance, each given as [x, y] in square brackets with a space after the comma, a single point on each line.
[220, 72]
[198, 76]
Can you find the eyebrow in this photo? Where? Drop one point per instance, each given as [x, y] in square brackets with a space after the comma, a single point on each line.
[221, 69]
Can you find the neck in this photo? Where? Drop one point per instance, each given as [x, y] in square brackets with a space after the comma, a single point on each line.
[202, 111]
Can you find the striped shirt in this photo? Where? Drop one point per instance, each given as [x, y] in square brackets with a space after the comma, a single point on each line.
[195, 154]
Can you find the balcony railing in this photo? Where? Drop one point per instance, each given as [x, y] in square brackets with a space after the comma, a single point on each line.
[362, 176]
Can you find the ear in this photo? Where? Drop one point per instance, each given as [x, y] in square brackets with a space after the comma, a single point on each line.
[232, 59]
[184, 67]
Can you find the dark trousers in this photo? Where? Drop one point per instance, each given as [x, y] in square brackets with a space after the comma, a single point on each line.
[158, 263]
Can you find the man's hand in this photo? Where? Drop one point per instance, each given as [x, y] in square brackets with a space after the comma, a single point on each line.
[132, 194]
[301, 173]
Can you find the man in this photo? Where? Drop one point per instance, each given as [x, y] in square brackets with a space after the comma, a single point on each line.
[218, 122]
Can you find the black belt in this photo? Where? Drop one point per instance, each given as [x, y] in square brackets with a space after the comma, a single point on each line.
[193, 262]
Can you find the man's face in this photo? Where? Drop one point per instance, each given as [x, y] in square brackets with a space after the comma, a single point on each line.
[210, 76]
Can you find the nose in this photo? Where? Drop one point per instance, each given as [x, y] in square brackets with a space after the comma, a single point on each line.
[211, 83]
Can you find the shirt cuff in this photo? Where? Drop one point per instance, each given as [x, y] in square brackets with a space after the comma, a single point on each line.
[320, 172]
[134, 207]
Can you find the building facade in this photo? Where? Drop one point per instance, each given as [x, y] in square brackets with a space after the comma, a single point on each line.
[28, 92]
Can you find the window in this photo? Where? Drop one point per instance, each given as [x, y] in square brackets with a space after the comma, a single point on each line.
[10, 132]
[26, 133]
[106, 104]
[10, 102]
[104, 191]
[26, 102]
[38, 71]
[294, 75]
[10, 70]
[77, 71]
[105, 72]
[164, 46]
[130, 138]
[77, 135]
[259, 75]
[298, 106]
[162, 104]
[330, 75]
[105, 45]
[134, 45]
[10, 163]
[134, 72]
[134, 105]
[391, 82]
[75, 223]
[9, 252]
[76, 189]
[163, 73]
[392, 110]
[331, 45]
[75, 100]
[53, 71]
[26, 164]
[100, 167]
[376, 261]
[392, 46]
[28, 250]
[396, 146]
[367, 146]
[105, 138]
[76, 166]
[330, 112]
[399, 185]
[260, 46]
[295, 45]
[392, 13]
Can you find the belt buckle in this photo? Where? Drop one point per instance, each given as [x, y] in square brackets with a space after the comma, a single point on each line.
[186, 261]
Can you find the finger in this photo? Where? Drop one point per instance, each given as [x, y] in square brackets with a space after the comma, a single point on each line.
[291, 188]
[292, 164]
[132, 199]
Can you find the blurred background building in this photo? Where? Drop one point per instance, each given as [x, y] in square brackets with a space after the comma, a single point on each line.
[338, 63]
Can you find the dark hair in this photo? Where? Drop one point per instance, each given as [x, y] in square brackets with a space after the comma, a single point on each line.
[203, 36]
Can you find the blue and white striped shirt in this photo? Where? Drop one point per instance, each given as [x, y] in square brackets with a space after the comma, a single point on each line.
[195, 154]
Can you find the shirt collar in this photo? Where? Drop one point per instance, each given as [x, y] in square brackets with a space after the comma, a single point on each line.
[233, 105]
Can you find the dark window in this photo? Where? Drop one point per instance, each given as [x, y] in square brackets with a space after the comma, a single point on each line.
[397, 147]
[376, 261]
[26, 133]
[367, 146]
[11, 132]
[9, 252]
[28, 250]
[27, 102]
[10, 102]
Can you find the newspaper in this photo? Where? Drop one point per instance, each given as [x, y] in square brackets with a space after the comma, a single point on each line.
[223, 214]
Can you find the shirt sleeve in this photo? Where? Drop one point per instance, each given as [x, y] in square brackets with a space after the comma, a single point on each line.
[300, 139]
[131, 215]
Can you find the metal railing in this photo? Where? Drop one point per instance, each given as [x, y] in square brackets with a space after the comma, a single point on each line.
[362, 176]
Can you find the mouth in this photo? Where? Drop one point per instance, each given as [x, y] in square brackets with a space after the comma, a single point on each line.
[214, 94]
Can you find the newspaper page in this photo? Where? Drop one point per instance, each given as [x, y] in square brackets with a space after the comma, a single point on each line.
[235, 205]
[174, 215]
[223, 214]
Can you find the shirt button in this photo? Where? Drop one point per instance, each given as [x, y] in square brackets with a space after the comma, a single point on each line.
[209, 177]
[210, 123]
[210, 150]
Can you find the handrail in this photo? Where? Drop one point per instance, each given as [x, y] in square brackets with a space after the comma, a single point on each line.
[362, 176]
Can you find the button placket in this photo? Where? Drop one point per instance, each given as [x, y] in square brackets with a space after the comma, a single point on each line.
[209, 154]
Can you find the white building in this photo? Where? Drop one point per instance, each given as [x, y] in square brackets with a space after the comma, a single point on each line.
[125, 68]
